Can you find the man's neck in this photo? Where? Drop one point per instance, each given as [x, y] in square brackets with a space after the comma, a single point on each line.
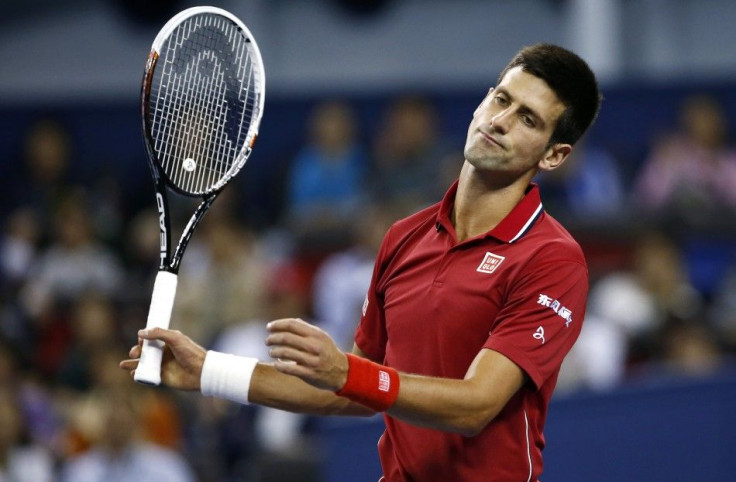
[480, 205]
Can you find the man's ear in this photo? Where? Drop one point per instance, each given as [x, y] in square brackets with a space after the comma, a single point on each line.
[555, 156]
[490, 91]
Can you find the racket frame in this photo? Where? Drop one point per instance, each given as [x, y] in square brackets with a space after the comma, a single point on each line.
[164, 290]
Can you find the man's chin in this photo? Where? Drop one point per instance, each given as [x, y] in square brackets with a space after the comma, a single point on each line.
[482, 163]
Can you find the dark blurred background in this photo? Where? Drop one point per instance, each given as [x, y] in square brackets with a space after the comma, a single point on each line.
[367, 107]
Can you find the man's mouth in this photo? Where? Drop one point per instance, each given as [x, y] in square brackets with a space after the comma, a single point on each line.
[491, 140]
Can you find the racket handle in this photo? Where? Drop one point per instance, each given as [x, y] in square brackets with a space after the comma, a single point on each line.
[159, 315]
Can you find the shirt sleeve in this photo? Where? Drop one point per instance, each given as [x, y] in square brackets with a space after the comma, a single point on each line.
[542, 318]
[371, 336]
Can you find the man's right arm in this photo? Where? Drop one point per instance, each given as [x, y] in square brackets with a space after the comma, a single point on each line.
[182, 369]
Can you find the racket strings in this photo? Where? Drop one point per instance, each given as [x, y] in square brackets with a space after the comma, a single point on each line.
[202, 103]
[192, 124]
[204, 129]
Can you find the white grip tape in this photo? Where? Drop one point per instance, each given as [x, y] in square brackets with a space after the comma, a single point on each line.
[227, 376]
[159, 316]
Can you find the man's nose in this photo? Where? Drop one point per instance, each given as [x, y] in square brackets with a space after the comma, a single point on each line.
[500, 121]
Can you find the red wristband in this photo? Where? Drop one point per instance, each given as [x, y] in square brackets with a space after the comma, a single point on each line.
[370, 384]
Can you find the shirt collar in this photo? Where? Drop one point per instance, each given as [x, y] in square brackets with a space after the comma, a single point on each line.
[513, 227]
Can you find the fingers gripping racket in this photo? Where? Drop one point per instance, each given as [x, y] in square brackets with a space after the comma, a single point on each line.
[201, 104]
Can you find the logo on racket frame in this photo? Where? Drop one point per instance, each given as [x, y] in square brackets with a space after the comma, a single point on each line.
[162, 225]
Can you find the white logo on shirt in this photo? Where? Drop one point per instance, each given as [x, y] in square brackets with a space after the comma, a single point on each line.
[490, 263]
[555, 305]
[365, 305]
[539, 334]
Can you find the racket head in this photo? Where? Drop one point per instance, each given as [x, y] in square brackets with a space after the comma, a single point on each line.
[201, 100]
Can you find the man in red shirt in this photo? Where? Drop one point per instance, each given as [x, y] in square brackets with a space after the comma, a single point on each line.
[473, 304]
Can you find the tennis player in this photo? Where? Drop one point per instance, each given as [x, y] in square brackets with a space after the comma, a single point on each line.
[473, 304]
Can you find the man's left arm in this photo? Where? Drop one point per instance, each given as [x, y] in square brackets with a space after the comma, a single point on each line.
[464, 406]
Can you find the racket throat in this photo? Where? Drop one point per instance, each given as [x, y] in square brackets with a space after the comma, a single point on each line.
[189, 230]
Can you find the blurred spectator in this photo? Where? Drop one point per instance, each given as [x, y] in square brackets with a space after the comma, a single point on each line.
[106, 203]
[689, 348]
[690, 174]
[19, 246]
[326, 179]
[74, 263]
[598, 359]
[42, 176]
[118, 452]
[587, 188]
[688, 182]
[21, 460]
[28, 421]
[626, 311]
[42, 423]
[341, 282]
[142, 246]
[93, 327]
[408, 151]
[221, 280]
[158, 414]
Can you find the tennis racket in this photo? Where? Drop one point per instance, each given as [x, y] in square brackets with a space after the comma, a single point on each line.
[201, 105]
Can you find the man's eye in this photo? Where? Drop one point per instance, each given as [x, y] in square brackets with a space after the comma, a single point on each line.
[527, 120]
[500, 100]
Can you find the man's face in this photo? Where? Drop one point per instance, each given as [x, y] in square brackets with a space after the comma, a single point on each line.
[511, 128]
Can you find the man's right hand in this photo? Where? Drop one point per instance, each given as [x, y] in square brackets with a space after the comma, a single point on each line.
[181, 366]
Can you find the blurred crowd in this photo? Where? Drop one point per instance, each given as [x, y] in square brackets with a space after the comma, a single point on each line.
[78, 258]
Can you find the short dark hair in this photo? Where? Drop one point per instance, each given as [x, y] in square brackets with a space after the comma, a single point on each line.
[570, 77]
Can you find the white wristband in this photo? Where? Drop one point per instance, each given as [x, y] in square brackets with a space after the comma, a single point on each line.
[227, 376]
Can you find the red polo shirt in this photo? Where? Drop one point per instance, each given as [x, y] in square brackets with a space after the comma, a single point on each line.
[434, 303]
